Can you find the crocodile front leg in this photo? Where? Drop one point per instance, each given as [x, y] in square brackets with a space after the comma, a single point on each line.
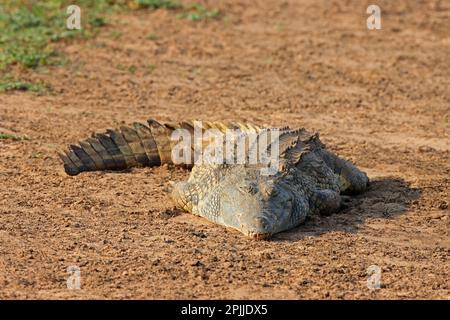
[352, 180]
[326, 201]
[184, 196]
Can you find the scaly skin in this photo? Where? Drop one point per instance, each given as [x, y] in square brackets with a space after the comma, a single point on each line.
[240, 197]
[308, 179]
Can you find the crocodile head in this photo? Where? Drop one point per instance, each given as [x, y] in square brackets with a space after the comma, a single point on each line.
[241, 197]
[260, 205]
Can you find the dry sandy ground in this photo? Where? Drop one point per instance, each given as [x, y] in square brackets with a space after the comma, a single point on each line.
[380, 98]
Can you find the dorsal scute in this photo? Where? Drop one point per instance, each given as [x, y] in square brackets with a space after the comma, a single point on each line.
[142, 144]
[299, 143]
[292, 145]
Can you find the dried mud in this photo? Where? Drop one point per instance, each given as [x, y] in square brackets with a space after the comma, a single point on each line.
[380, 98]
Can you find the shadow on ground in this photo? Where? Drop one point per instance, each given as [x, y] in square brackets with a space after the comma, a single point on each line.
[385, 198]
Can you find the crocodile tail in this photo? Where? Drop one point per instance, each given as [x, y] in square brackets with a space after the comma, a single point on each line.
[118, 149]
[132, 146]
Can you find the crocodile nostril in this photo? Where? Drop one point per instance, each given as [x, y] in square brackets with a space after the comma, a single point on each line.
[262, 223]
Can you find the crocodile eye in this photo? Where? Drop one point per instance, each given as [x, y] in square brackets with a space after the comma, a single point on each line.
[247, 188]
[274, 191]
[268, 189]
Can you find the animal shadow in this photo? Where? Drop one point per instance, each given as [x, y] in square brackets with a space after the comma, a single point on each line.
[385, 198]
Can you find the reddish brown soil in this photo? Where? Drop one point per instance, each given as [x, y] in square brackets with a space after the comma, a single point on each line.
[380, 98]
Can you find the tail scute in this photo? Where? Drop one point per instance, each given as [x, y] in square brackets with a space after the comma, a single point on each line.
[132, 146]
[148, 143]
[112, 150]
[98, 161]
[134, 142]
[107, 158]
[161, 135]
[123, 146]
[115, 149]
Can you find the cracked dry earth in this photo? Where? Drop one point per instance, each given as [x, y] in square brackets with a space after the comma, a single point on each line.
[380, 98]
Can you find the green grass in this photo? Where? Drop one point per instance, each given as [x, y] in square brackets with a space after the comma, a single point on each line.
[30, 30]
[197, 12]
[150, 68]
[158, 4]
[152, 36]
[8, 83]
[115, 34]
[9, 136]
[132, 69]
[196, 71]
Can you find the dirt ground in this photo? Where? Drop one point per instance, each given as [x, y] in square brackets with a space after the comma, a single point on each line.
[378, 97]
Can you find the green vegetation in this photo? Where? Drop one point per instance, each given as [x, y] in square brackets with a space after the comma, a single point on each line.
[8, 83]
[157, 4]
[9, 136]
[196, 71]
[153, 37]
[97, 21]
[132, 69]
[150, 68]
[116, 34]
[197, 12]
[31, 28]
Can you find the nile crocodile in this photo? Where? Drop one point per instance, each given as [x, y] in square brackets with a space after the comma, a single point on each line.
[308, 179]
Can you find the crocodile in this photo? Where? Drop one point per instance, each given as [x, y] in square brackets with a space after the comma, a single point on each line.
[307, 179]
